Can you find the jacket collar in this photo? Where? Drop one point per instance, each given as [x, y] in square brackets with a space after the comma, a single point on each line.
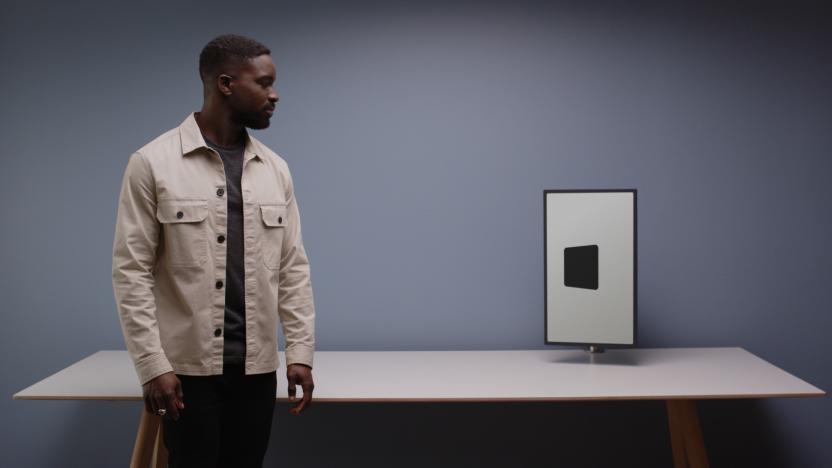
[192, 139]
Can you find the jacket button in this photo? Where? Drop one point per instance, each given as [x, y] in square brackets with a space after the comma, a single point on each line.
[220, 192]
[218, 332]
[221, 239]
[179, 215]
[219, 285]
[280, 220]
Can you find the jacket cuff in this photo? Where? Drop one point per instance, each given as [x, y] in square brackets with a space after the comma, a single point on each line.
[299, 354]
[152, 366]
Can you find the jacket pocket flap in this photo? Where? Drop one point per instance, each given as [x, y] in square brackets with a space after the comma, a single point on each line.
[274, 215]
[181, 211]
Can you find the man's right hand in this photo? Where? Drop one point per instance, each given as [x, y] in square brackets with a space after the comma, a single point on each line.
[164, 392]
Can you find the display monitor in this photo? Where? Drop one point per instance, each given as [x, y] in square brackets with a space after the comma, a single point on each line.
[590, 267]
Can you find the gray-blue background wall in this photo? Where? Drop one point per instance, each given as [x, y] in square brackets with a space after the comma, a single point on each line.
[421, 136]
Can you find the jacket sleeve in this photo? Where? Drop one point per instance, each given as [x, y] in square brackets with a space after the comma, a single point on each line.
[134, 257]
[295, 302]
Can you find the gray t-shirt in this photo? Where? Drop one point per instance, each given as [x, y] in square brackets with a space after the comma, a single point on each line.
[234, 351]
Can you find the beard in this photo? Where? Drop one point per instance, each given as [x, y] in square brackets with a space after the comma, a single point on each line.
[255, 120]
[243, 114]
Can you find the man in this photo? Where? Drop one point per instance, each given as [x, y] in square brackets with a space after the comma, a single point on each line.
[207, 258]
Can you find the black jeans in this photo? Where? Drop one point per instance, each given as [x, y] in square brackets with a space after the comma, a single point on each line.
[226, 422]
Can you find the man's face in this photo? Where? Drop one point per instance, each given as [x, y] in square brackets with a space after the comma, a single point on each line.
[253, 95]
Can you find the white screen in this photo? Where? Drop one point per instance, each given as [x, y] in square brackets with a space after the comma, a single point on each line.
[594, 316]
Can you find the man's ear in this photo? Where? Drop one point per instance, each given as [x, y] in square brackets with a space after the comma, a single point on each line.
[224, 84]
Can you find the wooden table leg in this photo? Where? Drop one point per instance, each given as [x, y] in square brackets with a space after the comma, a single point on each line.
[145, 440]
[677, 438]
[160, 452]
[686, 435]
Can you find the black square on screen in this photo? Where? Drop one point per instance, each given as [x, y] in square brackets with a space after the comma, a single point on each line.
[580, 267]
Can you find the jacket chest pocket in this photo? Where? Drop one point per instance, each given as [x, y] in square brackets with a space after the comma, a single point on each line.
[274, 228]
[184, 231]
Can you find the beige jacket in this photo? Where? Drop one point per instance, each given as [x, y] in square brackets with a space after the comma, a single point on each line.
[169, 268]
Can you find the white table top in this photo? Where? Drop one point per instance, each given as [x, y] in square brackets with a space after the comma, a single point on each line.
[523, 375]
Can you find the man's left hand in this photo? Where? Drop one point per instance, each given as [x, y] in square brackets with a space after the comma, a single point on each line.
[300, 374]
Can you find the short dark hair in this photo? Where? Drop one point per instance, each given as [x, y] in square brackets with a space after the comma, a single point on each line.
[225, 50]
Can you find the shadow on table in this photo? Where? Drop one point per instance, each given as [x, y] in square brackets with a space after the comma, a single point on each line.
[607, 358]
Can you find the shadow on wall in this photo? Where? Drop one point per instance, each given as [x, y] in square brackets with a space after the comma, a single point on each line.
[744, 433]
[83, 434]
[626, 433]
